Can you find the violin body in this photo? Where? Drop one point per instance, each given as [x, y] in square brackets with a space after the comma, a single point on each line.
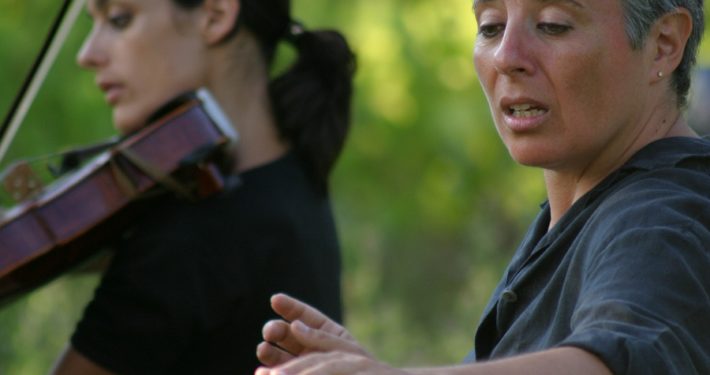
[73, 218]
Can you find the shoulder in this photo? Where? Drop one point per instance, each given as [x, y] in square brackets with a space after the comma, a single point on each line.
[641, 259]
[667, 185]
[277, 190]
[654, 220]
[672, 195]
[658, 211]
[281, 193]
[661, 209]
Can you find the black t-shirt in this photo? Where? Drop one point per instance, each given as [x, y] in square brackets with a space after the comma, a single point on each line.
[624, 274]
[188, 289]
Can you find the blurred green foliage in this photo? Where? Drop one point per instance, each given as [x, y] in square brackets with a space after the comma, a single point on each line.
[429, 204]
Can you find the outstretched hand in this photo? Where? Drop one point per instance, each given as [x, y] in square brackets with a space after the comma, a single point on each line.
[333, 363]
[303, 330]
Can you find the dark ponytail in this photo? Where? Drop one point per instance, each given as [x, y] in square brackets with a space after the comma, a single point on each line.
[312, 99]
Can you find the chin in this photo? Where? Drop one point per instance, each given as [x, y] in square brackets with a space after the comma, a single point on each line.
[530, 156]
[126, 124]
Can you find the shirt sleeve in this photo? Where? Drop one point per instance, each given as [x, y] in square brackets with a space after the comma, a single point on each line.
[644, 305]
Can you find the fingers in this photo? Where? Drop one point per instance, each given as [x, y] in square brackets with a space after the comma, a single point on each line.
[275, 331]
[292, 309]
[297, 338]
[318, 340]
[278, 332]
[270, 355]
[309, 331]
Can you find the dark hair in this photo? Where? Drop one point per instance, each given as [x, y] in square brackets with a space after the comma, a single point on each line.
[311, 99]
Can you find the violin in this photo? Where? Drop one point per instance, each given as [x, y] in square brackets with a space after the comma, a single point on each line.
[182, 150]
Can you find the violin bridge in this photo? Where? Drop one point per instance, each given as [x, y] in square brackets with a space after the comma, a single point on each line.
[20, 181]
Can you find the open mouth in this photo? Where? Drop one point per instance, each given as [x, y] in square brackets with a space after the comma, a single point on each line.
[525, 110]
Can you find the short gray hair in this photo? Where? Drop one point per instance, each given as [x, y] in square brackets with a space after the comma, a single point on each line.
[640, 16]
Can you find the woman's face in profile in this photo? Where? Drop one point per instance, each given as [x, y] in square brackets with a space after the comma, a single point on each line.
[564, 86]
[144, 53]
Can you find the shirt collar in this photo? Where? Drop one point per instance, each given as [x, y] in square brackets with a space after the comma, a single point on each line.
[668, 152]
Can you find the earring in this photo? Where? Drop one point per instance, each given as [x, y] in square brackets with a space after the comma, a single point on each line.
[660, 74]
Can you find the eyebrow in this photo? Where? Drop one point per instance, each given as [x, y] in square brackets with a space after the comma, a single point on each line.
[100, 4]
[574, 3]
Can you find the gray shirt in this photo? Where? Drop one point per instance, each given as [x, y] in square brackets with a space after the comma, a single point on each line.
[624, 274]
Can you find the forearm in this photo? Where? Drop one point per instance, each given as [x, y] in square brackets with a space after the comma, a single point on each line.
[72, 362]
[550, 362]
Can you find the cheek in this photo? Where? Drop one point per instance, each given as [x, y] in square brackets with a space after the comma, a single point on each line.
[482, 69]
[188, 74]
[581, 84]
[486, 78]
[145, 93]
[603, 90]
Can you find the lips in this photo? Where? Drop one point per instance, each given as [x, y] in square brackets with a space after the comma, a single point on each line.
[112, 91]
[522, 107]
[525, 110]
[522, 114]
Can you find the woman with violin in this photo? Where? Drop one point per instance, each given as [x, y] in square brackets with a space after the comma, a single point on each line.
[187, 277]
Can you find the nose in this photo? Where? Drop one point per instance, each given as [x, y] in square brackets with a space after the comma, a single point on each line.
[92, 55]
[514, 54]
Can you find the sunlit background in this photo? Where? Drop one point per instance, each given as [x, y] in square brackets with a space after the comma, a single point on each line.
[429, 205]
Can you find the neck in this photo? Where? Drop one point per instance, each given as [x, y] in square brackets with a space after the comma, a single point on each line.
[241, 87]
[565, 187]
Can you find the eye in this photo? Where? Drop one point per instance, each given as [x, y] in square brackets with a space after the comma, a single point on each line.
[490, 30]
[120, 20]
[553, 28]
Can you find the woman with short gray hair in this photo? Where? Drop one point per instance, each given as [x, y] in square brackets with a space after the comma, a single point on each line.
[612, 276]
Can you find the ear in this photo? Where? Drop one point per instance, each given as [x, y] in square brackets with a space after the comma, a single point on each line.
[669, 37]
[220, 17]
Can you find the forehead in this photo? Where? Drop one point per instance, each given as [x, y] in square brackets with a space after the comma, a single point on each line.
[573, 3]
[102, 7]
[599, 10]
